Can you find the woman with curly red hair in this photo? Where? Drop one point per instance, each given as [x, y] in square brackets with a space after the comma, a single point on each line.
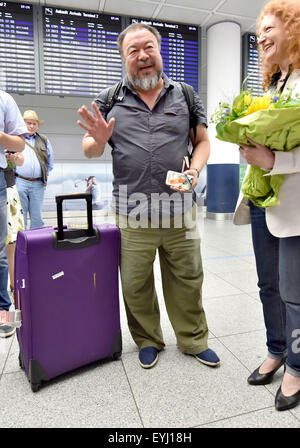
[276, 230]
[287, 12]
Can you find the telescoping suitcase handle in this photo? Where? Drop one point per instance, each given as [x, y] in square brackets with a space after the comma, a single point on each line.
[73, 239]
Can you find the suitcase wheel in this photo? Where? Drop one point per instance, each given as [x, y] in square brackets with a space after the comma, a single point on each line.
[35, 387]
[36, 375]
[21, 362]
[116, 356]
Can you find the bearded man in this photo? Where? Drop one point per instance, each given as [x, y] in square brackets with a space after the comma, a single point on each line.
[148, 130]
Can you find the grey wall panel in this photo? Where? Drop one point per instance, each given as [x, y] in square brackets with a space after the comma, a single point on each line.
[60, 116]
[51, 100]
[67, 148]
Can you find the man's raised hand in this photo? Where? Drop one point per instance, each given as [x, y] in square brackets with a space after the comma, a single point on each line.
[95, 125]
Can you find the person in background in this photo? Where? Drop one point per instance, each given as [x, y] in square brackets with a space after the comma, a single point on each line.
[12, 130]
[15, 220]
[93, 188]
[31, 177]
[276, 230]
[149, 131]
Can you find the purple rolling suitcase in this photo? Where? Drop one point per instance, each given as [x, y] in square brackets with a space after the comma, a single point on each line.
[66, 285]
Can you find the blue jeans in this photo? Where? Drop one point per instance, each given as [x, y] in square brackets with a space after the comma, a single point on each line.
[31, 196]
[5, 301]
[266, 250]
[277, 264]
[289, 271]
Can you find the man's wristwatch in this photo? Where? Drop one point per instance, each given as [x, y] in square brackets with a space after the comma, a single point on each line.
[196, 169]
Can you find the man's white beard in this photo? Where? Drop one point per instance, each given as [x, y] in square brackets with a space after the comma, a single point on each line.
[147, 83]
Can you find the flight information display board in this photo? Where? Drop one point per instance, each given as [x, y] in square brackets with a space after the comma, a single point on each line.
[17, 54]
[251, 64]
[80, 53]
[179, 50]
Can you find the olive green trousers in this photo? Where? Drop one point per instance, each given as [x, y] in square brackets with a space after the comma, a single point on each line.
[182, 277]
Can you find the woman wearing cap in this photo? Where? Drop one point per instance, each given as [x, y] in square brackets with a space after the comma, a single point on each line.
[31, 177]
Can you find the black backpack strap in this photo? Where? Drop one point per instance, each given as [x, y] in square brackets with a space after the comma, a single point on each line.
[188, 92]
[112, 96]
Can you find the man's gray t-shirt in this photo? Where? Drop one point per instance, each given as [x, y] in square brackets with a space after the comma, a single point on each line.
[146, 144]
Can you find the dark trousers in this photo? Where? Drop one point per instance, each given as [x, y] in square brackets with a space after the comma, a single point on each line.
[279, 289]
[289, 270]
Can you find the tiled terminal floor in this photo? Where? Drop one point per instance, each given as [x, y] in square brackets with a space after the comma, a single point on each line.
[179, 392]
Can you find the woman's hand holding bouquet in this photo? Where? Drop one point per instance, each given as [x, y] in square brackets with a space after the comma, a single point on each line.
[258, 125]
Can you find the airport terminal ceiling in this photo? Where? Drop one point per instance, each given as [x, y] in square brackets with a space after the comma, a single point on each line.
[202, 13]
[53, 46]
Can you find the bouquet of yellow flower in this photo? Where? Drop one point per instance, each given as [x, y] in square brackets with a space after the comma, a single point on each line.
[272, 121]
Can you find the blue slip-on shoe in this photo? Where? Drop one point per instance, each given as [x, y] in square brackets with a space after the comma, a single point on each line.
[208, 357]
[148, 357]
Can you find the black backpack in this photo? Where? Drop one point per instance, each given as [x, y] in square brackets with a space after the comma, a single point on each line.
[188, 91]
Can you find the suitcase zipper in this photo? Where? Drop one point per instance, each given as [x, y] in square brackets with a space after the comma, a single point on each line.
[18, 292]
[18, 300]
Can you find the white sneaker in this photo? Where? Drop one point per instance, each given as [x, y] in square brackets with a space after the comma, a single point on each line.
[6, 331]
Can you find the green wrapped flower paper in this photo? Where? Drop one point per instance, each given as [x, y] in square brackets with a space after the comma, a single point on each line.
[276, 126]
[10, 165]
[262, 190]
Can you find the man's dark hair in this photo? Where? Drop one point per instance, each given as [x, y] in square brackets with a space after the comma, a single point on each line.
[134, 27]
